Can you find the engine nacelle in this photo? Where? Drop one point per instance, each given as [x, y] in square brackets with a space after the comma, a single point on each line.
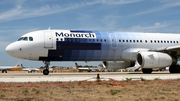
[154, 59]
[118, 64]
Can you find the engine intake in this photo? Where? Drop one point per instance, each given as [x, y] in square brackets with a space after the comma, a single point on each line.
[154, 59]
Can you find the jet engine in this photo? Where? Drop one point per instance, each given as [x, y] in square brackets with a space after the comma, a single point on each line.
[154, 59]
[118, 64]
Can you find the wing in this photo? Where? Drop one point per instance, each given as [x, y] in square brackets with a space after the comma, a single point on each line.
[175, 49]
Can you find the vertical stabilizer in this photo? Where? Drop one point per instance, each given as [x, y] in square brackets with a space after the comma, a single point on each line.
[18, 64]
[77, 66]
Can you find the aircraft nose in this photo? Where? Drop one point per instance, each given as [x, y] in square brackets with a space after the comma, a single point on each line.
[10, 50]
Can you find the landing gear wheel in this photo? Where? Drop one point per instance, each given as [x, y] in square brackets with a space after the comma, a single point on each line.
[177, 69]
[46, 72]
[4, 71]
[174, 69]
[147, 71]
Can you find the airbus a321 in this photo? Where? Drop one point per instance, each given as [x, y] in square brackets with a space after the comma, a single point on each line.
[117, 50]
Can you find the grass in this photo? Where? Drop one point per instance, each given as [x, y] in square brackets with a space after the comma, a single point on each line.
[78, 91]
[113, 92]
[128, 79]
[157, 79]
[25, 91]
[142, 79]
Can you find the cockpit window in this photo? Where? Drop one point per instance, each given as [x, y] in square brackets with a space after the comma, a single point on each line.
[20, 39]
[25, 39]
[30, 39]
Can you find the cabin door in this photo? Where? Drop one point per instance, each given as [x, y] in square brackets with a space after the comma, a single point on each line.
[113, 40]
[48, 40]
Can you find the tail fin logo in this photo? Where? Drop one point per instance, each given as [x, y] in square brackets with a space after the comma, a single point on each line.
[77, 66]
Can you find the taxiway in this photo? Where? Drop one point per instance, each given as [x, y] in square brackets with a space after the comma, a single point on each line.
[39, 77]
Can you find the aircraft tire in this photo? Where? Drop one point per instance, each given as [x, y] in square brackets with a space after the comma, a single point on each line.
[177, 69]
[147, 71]
[174, 69]
[46, 72]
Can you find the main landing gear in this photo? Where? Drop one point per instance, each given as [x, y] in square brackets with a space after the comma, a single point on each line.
[174, 69]
[46, 71]
[147, 71]
[4, 71]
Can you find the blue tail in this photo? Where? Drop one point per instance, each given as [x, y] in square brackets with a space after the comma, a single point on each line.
[77, 66]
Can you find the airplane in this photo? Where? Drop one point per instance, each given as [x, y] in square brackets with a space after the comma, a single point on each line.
[134, 69]
[116, 49]
[13, 68]
[30, 70]
[86, 68]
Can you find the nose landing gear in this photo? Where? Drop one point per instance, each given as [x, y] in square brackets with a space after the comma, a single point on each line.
[46, 71]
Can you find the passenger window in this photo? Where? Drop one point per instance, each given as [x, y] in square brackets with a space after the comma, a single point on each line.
[101, 40]
[170, 41]
[77, 40]
[86, 40]
[141, 41]
[146, 41]
[57, 39]
[167, 41]
[177, 41]
[119, 40]
[164, 41]
[97, 39]
[130, 40]
[73, 40]
[158, 41]
[174, 41]
[123, 40]
[82, 40]
[65, 39]
[151, 41]
[89, 39]
[161, 41]
[154, 41]
[104, 40]
[133, 40]
[126, 40]
[137, 40]
[61, 39]
[30, 39]
[93, 39]
[69, 39]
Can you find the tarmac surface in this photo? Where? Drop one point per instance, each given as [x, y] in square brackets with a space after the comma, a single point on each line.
[90, 76]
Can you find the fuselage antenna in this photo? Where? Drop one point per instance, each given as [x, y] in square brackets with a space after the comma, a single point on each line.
[49, 28]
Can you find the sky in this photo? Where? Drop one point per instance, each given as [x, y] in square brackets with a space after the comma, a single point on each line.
[18, 17]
